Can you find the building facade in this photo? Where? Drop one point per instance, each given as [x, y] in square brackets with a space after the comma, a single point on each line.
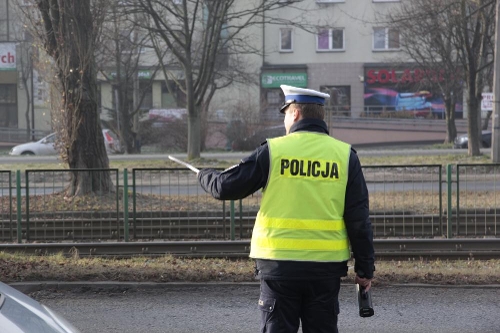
[23, 93]
[336, 46]
[341, 48]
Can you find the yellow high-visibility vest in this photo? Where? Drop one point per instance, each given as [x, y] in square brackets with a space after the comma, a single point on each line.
[302, 207]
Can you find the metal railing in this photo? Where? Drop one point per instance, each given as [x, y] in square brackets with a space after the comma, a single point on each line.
[477, 200]
[169, 204]
[6, 222]
[49, 215]
[20, 135]
[406, 201]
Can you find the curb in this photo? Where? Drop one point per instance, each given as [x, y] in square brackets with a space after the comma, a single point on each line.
[30, 287]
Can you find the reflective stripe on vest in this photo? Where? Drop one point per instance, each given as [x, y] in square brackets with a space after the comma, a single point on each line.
[302, 207]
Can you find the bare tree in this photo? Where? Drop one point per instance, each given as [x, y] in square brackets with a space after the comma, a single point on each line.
[119, 54]
[472, 38]
[68, 31]
[451, 39]
[25, 67]
[202, 36]
[426, 31]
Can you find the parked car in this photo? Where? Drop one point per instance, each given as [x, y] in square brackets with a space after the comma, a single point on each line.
[46, 145]
[258, 137]
[20, 313]
[462, 141]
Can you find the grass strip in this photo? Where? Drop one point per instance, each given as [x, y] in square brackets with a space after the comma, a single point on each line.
[19, 268]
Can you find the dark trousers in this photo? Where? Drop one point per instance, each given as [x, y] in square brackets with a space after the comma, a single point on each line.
[285, 303]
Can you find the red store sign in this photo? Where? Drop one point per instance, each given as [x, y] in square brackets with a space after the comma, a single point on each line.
[7, 56]
[404, 76]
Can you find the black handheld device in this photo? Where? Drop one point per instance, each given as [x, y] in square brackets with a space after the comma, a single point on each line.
[364, 302]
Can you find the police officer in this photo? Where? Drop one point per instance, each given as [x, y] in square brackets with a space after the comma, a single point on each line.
[314, 205]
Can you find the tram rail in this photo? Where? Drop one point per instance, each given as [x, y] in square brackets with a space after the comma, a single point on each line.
[385, 249]
[88, 228]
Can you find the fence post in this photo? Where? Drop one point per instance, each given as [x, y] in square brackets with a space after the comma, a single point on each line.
[232, 220]
[449, 194]
[19, 199]
[241, 218]
[458, 200]
[10, 206]
[27, 186]
[134, 203]
[125, 205]
[441, 199]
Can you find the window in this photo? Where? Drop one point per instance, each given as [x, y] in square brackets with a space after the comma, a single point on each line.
[3, 21]
[41, 88]
[8, 105]
[339, 103]
[330, 39]
[385, 39]
[26, 3]
[273, 99]
[329, 1]
[222, 57]
[286, 43]
[146, 93]
[172, 96]
[177, 2]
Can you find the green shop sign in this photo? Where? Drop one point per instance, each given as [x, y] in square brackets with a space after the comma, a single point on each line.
[141, 74]
[274, 80]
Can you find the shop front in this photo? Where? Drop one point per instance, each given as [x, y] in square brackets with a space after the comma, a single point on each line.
[272, 95]
[405, 92]
[8, 86]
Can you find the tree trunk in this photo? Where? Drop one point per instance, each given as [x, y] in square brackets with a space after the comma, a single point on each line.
[27, 113]
[69, 38]
[86, 150]
[194, 120]
[451, 129]
[194, 136]
[486, 121]
[474, 128]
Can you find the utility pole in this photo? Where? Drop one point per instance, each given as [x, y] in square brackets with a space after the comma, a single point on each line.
[32, 94]
[495, 142]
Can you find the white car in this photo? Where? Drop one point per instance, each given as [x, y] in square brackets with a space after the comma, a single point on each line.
[46, 145]
[22, 314]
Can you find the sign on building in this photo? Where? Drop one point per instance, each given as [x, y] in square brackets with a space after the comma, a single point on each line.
[274, 80]
[487, 102]
[7, 56]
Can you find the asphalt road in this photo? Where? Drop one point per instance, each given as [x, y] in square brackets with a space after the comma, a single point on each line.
[374, 151]
[233, 308]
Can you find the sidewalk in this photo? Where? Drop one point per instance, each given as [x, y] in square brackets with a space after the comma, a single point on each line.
[7, 145]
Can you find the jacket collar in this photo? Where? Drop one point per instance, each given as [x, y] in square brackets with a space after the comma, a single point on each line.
[310, 125]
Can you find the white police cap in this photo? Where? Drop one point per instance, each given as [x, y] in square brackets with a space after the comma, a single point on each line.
[301, 95]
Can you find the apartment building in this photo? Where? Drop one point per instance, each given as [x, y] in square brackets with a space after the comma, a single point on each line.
[337, 46]
[340, 47]
[9, 89]
[23, 92]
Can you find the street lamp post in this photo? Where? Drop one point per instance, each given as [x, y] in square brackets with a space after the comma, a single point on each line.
[32, 95]
[495, 136]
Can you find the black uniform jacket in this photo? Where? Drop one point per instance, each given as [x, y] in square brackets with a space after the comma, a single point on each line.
[252, 173]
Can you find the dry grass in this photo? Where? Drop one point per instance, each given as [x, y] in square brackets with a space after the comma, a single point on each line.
[411, 202]
[17, 268]
[163, 162]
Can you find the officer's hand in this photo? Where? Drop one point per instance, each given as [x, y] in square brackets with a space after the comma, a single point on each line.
[365, 283]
